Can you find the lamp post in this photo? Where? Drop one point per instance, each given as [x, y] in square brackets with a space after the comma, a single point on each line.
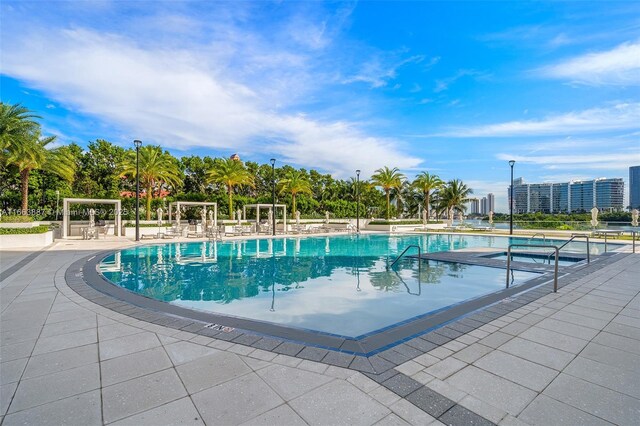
[511, 163]
[137, 143]
[273, 195]
[358, 201]
[57, 201]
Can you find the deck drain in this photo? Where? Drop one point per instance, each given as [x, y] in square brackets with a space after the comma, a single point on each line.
[219, 327]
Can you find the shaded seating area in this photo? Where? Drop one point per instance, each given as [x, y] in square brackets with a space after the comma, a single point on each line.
[264, 226]
[207, 227]
[93, 229]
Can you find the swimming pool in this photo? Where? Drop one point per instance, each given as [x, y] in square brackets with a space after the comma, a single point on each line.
[338, 285]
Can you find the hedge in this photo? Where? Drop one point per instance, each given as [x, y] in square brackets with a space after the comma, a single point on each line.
[17, 231]
[15, 219]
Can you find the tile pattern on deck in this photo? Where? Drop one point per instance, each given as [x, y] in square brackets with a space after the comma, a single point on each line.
[496, 366]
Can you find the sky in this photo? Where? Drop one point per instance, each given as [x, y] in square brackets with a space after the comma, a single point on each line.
[452, 88]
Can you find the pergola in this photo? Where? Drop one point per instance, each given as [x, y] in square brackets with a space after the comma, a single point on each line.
[267, 206]
[66, 202]
[178, 204]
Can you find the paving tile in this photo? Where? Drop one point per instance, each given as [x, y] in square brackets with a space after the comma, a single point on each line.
[623, 319]
[401, 384]
[289, 361]
[17, 335]
[52, 387]
[430, 401]
[141, 394]
[288, 348]
[282, 415]
[462, 416]
[211, 370]
[363, 383]
[555, 340]
[446, 390]
[11, 371]
[410, 413]
[17, 350]
[83, 409]
[383, 396]
[492, 389]
[182, 352]
[538, 353]
[65, 327]
[582, 320]
[426, 360]
[66, 359]
[617, 379]
[623, 330]
[339, 372]
[422, 377]
[568, 328]
[338, 359]
[180, 412]
[116, 330]
[126, 367]
[315, 367]
[545, 410]
[485, 410]
[236, 401]
[607, 316]
[409, 368]
[445, 368]
[6, 394]
[313, 354]
[392, 420]
[618, 342]
[127, 345]
[258, 364]
[515, 328]
[496, 339]
[472, 353]
[289, 382]
[596, 400]
[339, 403]
[518, 370]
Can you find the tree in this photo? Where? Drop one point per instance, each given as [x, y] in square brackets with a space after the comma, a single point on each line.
[229, 172]
[295, 182]
[16, 122]
[427, 183]
[387, 179]
[453, 197]
[29, 152]
[158, 169]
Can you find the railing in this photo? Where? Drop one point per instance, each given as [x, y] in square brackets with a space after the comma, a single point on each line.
[573, 237]
[555, 272]
[544, 238]
[403, 253]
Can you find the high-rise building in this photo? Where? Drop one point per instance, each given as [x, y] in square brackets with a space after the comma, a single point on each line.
[574, 196]
[491, 203]
[483, 205]
[474, 206]
[634, 187]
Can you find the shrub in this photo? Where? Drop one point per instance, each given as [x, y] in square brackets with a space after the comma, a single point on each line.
[18, 231]
[16, 219]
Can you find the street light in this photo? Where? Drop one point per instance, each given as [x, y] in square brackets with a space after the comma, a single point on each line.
[273, 195]
[358, 201]
[511, 163]
[57, 202]
[137, 143]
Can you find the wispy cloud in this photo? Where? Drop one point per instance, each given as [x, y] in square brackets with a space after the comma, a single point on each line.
[377, 72]
[620, 116]
[620, 160]
[183, 98]
[618, 66]
[443, 84]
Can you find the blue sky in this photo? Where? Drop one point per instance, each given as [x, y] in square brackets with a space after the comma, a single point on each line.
[454, 88]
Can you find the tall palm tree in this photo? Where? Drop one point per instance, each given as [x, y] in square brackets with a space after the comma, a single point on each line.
[29, 152]
[427, 183]
[229, 172]
[157, 169]
[16, 122]
[387, 179]
[453, 197]
[295, 182]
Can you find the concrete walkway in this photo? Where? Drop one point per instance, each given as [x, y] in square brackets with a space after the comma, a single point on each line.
[567, 358]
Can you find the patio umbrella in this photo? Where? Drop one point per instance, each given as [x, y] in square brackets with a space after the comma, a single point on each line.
[424, 218]
[270, 217]
[159, 212]
[211, 217]
[634, 217]
[326, 217]
[92, 218]
[450, 218]
[491, 218]
[203, 217]
[594, 217]
[239, 213]
[178, 217]
[297, 217]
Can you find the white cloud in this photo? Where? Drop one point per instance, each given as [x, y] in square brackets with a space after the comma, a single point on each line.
[183, 98]
[377, 72]
[618, 66]
[443, 84]
[621, 116]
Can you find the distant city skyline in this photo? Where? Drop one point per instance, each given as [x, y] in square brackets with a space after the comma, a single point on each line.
[453, 88]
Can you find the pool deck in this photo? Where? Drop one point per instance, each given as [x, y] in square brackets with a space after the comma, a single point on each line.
[566, 358]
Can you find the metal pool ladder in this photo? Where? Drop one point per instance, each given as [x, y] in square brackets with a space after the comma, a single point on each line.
[555, 270]
[405, 251]
[544, 238]
[573, 237]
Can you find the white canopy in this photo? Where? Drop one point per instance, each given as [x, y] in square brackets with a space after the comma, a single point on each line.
[265, 206]
[178, 204]
[66, 212]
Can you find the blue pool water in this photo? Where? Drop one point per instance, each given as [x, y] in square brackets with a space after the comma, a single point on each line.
[337, 284]
[539, 259]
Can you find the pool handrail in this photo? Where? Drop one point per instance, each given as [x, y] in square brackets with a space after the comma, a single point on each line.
[555, 272]
[544, 238]
[403, 253]
[573, 237]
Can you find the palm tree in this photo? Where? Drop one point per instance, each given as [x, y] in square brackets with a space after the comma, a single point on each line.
[295, 182]
[453, 197]
[229, 172]
[29, 152]
[387, 179]
[157, 169]
[16, 122]
[427, 184]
